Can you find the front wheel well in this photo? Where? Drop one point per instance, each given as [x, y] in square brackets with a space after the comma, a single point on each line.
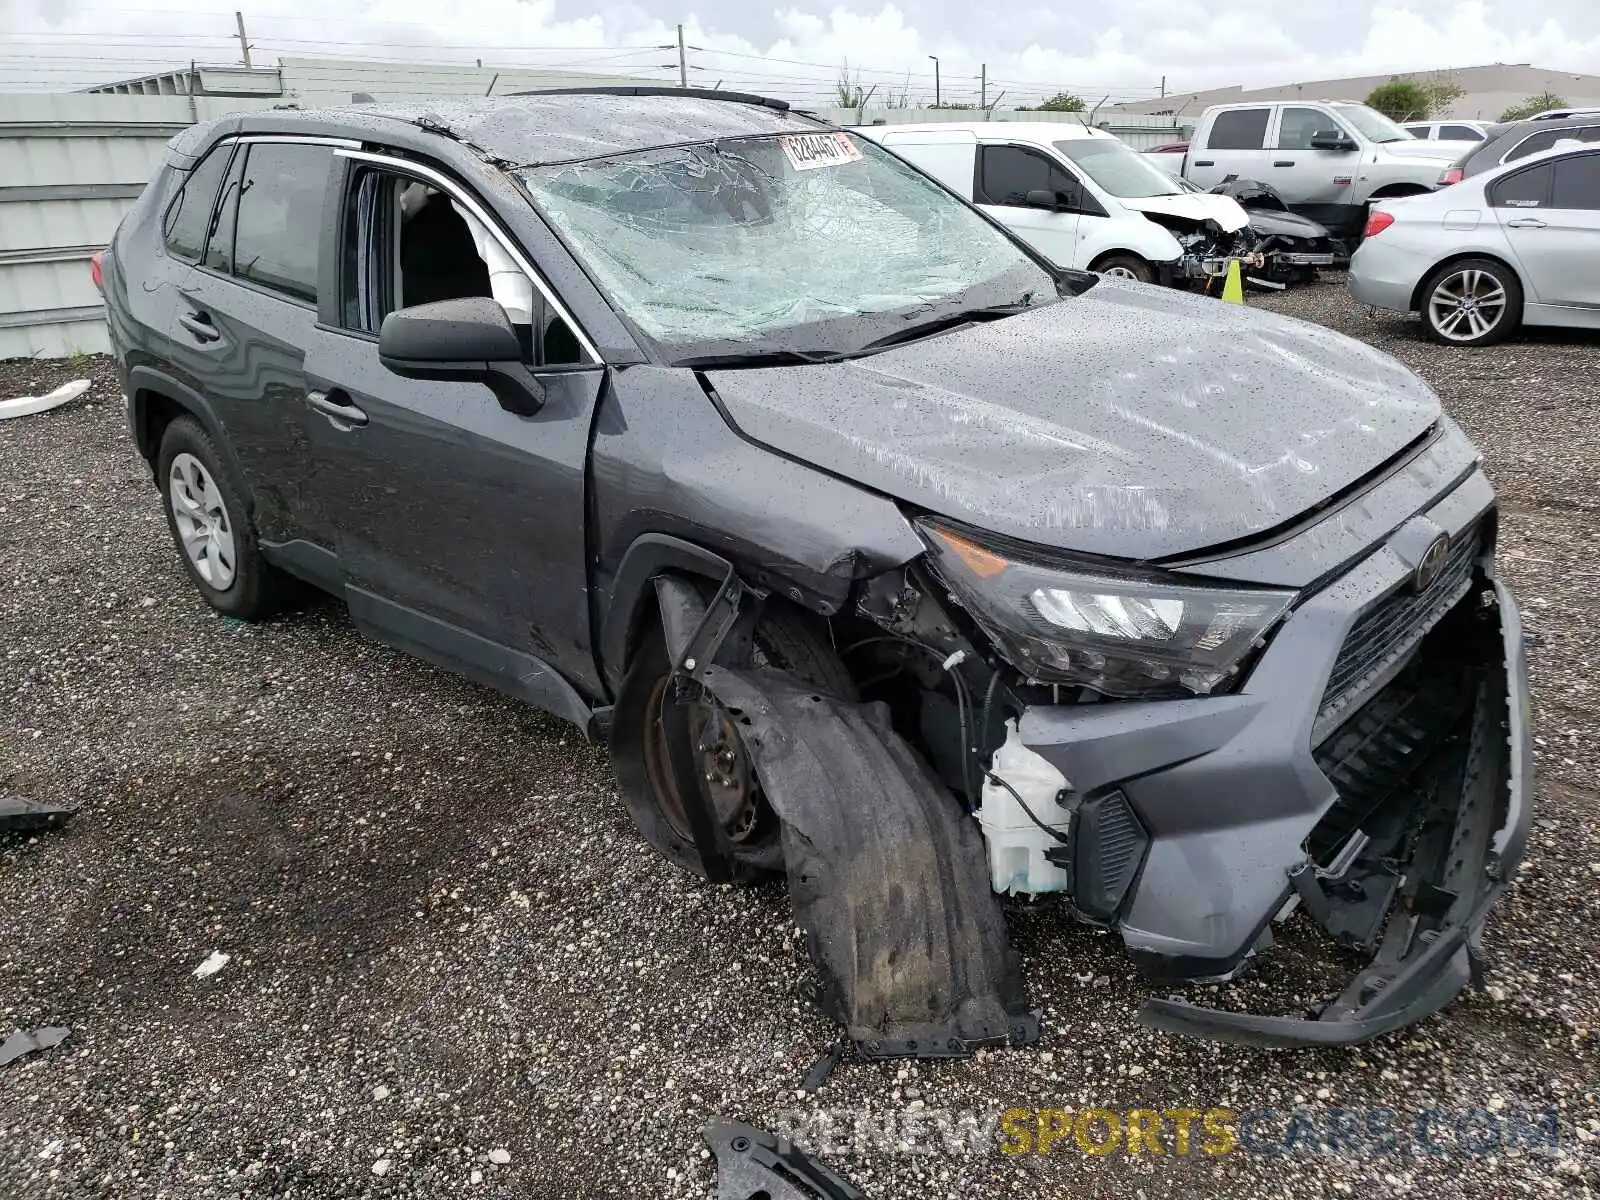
[1433, 273]
[1107, 255]
[1392, 191]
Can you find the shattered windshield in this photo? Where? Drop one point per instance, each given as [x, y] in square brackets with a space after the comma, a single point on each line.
[814, 242]
[1118, 169]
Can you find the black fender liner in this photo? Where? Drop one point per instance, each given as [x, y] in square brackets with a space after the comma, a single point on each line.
[887, 874]
[752, 1164]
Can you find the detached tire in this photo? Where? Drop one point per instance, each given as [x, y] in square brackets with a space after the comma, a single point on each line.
[648, 716]
[1472, 302]
[211, 527]
[1127, 266]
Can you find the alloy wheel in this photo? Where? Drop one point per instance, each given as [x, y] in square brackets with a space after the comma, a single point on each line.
[1467, 305]
[202, 520]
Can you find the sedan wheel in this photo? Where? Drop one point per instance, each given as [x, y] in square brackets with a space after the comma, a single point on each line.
[1472, 303]
[204, 528]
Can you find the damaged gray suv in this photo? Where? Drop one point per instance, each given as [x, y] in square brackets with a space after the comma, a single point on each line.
[889, 557]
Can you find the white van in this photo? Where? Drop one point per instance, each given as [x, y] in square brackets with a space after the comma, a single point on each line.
[1079, 196]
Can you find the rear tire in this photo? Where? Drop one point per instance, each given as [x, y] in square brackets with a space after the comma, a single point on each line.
[1126, 266]
[212, 529]
[647, 714]
[1471, 302]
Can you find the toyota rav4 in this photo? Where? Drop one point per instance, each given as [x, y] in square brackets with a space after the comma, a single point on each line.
[887, 554]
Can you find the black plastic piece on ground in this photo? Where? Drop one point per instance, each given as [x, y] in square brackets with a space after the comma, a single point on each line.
[27, 1041]
[822, 1070]
[21, 816]
[752, 1164]
[887, 874]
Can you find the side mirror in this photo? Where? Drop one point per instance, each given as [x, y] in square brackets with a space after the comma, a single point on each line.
[1048, 200]
[1331, 139]
[469, 340]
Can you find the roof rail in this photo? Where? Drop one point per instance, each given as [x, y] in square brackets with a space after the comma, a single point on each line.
[647, 90]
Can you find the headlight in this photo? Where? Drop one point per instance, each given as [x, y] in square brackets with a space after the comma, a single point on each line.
[1123, 635]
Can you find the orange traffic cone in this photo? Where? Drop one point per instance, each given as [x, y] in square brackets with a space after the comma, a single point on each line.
[1233, 286]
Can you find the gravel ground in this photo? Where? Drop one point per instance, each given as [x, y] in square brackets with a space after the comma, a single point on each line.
[456, 970]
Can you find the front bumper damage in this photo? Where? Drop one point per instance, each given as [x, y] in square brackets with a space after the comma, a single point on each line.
[1374, 772]
[1392, 807]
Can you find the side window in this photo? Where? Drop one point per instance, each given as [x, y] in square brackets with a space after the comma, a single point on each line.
[1532, 145]
[1459, 133]
[1239, 129]
[1525, 189]
[219, 246]
[1006, 174]
[1419, 131]
[188, 217]
[276, 237]
[407, 242]
[1577, 183]
[1300, 125]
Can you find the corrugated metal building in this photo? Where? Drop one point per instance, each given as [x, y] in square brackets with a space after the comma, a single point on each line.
[1490, 90]
[70, 166]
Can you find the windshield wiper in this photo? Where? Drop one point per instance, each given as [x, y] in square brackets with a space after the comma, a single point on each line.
[758, 358]
[939, 324]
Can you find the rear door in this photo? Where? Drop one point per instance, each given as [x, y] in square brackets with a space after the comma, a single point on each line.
[1550, 212]
[1007, 173]
[1235, 144]
[460, 525]
[246, 311]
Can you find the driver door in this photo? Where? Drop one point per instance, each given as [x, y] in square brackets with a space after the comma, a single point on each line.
[459, 525]
[1307, 178]
[1006, 173]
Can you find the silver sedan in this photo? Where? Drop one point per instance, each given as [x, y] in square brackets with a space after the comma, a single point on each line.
[1516, 245]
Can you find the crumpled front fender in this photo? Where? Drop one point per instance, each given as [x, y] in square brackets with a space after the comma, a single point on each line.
[887, 874]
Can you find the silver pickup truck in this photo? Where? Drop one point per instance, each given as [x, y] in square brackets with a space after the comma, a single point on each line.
[1327, 159]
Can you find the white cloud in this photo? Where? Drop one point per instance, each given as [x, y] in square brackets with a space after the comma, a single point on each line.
[793, 50]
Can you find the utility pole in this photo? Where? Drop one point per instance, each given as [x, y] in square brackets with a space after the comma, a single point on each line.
[936, 97]
[1163, 87]
[983, 85]
[683, 61]
[244, 43]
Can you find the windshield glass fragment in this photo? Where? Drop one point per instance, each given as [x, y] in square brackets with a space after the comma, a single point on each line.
[814, 242]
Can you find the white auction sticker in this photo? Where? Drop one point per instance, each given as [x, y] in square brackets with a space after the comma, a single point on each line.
[808, 150]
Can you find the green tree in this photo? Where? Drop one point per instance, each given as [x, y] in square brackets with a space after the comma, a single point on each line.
[1400, 100]
[1532, 105]
[1443, 90]
[1060, 102]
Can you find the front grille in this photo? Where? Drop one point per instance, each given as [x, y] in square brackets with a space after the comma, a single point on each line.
[1380, 748]
[1382, 637]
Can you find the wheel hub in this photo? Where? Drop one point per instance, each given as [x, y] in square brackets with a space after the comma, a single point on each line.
[202, 521]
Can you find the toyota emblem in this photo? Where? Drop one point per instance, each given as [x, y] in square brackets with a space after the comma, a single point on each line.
[1431, 565]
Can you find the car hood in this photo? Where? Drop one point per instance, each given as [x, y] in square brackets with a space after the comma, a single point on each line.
[1197, 206]
[1267, 221]
[1446, 152]
[1130, 421]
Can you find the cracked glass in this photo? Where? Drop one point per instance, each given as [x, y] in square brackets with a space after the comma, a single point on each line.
[753, 240]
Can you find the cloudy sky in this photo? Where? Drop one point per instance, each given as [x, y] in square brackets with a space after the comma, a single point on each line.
[794, 48]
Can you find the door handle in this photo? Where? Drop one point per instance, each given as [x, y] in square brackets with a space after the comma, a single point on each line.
[1284, 162]
[199, 324]
[1205, 162]
[1526, 223]
[343, 416]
